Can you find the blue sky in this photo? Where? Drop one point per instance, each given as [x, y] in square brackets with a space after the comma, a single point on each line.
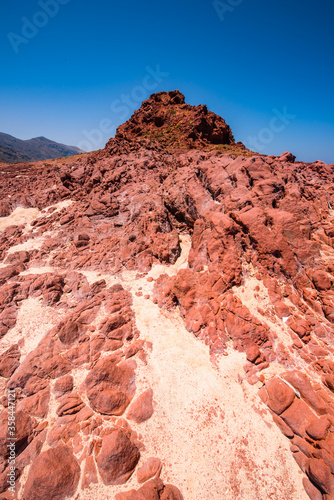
[73, 70]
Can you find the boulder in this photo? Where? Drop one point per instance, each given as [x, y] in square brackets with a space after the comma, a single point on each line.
[63, 385]
[318, 428]
[280, 395]
[54, 474]
[152, 490]
[298, 417]
[70, 404]
[171, 492]
[118, 457]
[301, 382]
[110, 386]
[141, 408]
[320, 475]
[148, 469]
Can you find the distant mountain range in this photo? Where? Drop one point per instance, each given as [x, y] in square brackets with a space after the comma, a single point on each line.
[13, 150]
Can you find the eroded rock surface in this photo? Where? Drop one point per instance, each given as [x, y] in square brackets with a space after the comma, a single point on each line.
[108, 261]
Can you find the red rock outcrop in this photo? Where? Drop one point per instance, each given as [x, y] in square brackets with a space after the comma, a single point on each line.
[63, 480]
[258, 279]
[166, 118]
[118, 457]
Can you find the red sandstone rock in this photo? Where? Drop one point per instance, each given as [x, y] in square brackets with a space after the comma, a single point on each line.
[7, 272]
[70, 404]
[31, 452]
[318, 428]
[81, 240]
[9, 361]
[170, 492]
[152, 490]
[301, 327]
[54, 474]
[110, 387]
[328, 380]
[306, 448]
[253, 353]
[24, 427]
[35, 384]
[4, 209]
[118, 457]
[302, 383]
[63, 432]
[89, 473]
[141, 408]
[20, 257]
[321, 280]
[300, 459]
[280, 395]
[324, 455]
[311, 490]
[63, 385]
[69, 332]
[130, 202]
[298, 417]
[286, 156]
[320, 475]
[148, 469]
[285, 429]
[36, 405]
[161, 111]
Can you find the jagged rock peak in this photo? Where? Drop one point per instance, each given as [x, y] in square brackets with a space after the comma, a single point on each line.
[166, 118]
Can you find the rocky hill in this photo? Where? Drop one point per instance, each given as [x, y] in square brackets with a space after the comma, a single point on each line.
[166, 117]
[167, 318]
[13, 150]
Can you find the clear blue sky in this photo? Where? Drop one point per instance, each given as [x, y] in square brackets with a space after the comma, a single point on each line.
[89, 65]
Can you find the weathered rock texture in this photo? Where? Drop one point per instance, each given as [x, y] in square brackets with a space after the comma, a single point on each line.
[258, 280]
[166, 118]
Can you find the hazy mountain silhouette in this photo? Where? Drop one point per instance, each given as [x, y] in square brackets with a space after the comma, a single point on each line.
[13, 150]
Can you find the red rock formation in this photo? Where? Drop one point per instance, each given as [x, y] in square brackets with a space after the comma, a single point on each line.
[166, 117]
[141, 408]
[118, 457]
[63, 480]
[258, 280]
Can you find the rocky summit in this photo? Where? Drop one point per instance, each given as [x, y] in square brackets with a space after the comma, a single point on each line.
[167, 318]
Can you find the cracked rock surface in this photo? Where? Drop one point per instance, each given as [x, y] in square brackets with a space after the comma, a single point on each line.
[167, 317]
